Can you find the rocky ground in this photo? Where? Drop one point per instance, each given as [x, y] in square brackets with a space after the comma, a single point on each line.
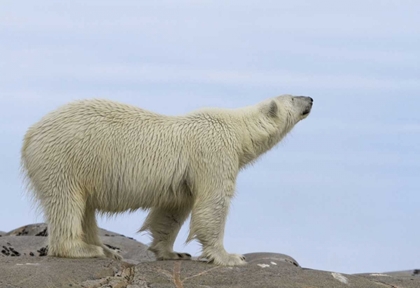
[23, 264]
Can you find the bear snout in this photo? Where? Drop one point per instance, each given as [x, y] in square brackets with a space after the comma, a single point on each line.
[306, 103]
[305, 98]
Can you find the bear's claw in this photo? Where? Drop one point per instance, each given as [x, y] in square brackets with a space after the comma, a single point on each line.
[173, 256]
[109, 253]
[225, 259]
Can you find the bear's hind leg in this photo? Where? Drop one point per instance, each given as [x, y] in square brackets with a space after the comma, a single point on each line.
[64, 210]
[90, 233]
[164, 225]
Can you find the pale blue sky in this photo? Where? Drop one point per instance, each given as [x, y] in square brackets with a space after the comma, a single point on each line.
[340, 193]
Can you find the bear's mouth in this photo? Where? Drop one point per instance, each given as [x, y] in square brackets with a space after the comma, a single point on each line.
[306, 112]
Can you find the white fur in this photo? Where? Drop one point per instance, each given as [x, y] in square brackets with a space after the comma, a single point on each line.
[99, 155]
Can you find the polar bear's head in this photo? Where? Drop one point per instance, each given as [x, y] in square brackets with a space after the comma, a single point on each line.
[273, 119]
[291, 109]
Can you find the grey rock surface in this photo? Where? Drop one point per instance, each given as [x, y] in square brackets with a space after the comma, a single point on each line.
[251, 257]
[38, 229]
[37, 272]
[415, 272]
[32, 241]
[397, 279]
[139, 270]
[261, 271]
[22, 246]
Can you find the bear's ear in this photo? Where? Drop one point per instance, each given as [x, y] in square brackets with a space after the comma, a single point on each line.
[271, 109]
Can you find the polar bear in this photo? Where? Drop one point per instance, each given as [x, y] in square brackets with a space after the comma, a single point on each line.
[99, 155]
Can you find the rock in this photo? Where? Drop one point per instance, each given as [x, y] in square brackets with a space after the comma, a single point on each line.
[2, 233]
[35, 272]
[131, 250]
[415, 272]
[406, 279]
[38, 229]
[22, 265]
[22, 246]
[34, 243]
[262, 270]
[250, 257]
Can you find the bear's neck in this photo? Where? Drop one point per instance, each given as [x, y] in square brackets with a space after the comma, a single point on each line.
[261, 133]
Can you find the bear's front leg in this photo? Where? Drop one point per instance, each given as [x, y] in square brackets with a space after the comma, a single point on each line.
[208, 224]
